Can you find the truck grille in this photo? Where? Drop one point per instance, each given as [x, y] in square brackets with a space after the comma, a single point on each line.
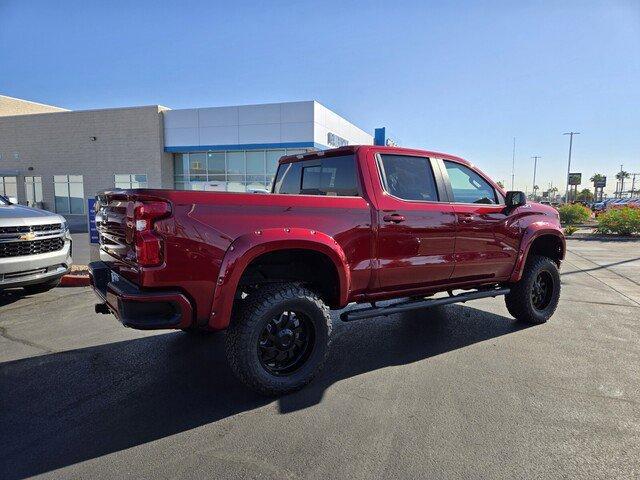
[31, 228]
[17, 249]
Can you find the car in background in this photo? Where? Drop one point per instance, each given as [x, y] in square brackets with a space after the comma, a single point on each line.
[35, 247]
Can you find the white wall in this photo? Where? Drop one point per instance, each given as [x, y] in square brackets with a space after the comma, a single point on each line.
[247, 124]
[327, 121]
[274, 123]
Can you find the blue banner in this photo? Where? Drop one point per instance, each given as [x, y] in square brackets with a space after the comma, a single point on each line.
[91, 221]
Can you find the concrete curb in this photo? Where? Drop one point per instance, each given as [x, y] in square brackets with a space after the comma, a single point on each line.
[602, 238]
[72, 280]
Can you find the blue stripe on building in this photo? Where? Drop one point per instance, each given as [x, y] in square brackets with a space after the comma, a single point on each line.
[244, 146]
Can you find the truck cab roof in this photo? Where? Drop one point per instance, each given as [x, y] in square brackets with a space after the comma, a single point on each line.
[352, 149]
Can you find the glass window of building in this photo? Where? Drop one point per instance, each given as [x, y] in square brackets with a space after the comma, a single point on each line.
[216, 163]
[272, 160]
[296, 151]
[9, 186]
[69, 194]
[33, 190]
[198, 167]
[180, 163]
[256, 163]
[235, 163]
[128, 181]
[236, 183]
[233, 171]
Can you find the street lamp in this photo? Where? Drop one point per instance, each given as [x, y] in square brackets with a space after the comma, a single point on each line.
[571, 134]
[535, 167]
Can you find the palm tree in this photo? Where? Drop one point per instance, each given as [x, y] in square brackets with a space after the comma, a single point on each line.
[621, 175]
[597, 177]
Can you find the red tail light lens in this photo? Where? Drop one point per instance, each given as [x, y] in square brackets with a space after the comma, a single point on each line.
[148, 249]
[140, 219]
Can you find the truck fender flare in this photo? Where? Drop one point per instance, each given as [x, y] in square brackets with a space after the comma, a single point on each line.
[531, 234]
[248, 247]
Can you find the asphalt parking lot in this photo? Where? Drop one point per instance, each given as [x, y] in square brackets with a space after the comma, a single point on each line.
[457, 392]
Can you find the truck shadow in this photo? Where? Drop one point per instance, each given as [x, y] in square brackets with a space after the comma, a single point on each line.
[68, 407]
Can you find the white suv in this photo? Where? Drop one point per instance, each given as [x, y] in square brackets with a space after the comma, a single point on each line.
[35, 247]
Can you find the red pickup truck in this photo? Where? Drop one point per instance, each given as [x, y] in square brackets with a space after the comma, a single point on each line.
[357, 224]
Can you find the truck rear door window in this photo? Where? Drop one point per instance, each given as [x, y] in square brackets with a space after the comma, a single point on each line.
[331, 176]
[408, 177]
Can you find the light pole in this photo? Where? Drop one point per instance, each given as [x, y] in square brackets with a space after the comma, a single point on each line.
[571, 134]
[535, 167]
[513, 163]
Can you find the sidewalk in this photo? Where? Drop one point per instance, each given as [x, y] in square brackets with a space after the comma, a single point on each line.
[81, 249]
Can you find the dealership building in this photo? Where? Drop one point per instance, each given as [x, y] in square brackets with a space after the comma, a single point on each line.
[56, 159]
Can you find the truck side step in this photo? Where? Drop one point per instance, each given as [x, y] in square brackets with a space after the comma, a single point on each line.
[405, 306]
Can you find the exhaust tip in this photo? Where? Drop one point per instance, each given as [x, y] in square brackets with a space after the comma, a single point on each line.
[102, 308]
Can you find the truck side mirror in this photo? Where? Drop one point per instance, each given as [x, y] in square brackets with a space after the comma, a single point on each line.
[515, 199]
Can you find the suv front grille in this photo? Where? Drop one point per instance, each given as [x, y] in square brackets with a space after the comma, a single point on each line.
[32, 228]
[17, 249]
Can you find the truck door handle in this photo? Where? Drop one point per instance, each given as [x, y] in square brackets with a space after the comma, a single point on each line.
[466, 217]
[394, 217]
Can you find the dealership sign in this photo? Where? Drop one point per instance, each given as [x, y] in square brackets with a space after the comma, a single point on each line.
[575, 178]
[600, 183]
[334, 140]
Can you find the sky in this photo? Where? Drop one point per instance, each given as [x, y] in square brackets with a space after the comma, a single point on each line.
[458, 77]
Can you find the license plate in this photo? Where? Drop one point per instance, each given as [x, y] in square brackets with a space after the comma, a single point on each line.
[115, 277]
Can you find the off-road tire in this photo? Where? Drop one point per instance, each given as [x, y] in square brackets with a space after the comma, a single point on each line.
[245, 329]
[519, 300]
[41, 287]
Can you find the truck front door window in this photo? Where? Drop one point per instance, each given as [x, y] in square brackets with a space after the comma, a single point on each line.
[468, 186]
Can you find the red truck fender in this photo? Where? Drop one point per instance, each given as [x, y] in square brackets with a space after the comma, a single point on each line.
[250, 246]
[533, 232]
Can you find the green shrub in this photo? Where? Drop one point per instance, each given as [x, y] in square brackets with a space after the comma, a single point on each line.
[570, 230]
[623, 221]
[574, 214]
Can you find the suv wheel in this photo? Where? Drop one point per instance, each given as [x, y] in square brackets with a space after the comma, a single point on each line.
[280, 339]
[535, 297]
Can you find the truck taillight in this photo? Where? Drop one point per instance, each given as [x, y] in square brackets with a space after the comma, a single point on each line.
[148, 249]
[148, 244]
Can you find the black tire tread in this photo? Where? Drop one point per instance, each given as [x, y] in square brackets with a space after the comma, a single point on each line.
[239, 348]
[518, 299]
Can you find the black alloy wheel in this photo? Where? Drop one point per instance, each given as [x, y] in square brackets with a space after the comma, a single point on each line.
[542, 290]
[285, 342]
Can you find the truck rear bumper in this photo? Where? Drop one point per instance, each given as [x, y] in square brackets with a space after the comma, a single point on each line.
[136, 308]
